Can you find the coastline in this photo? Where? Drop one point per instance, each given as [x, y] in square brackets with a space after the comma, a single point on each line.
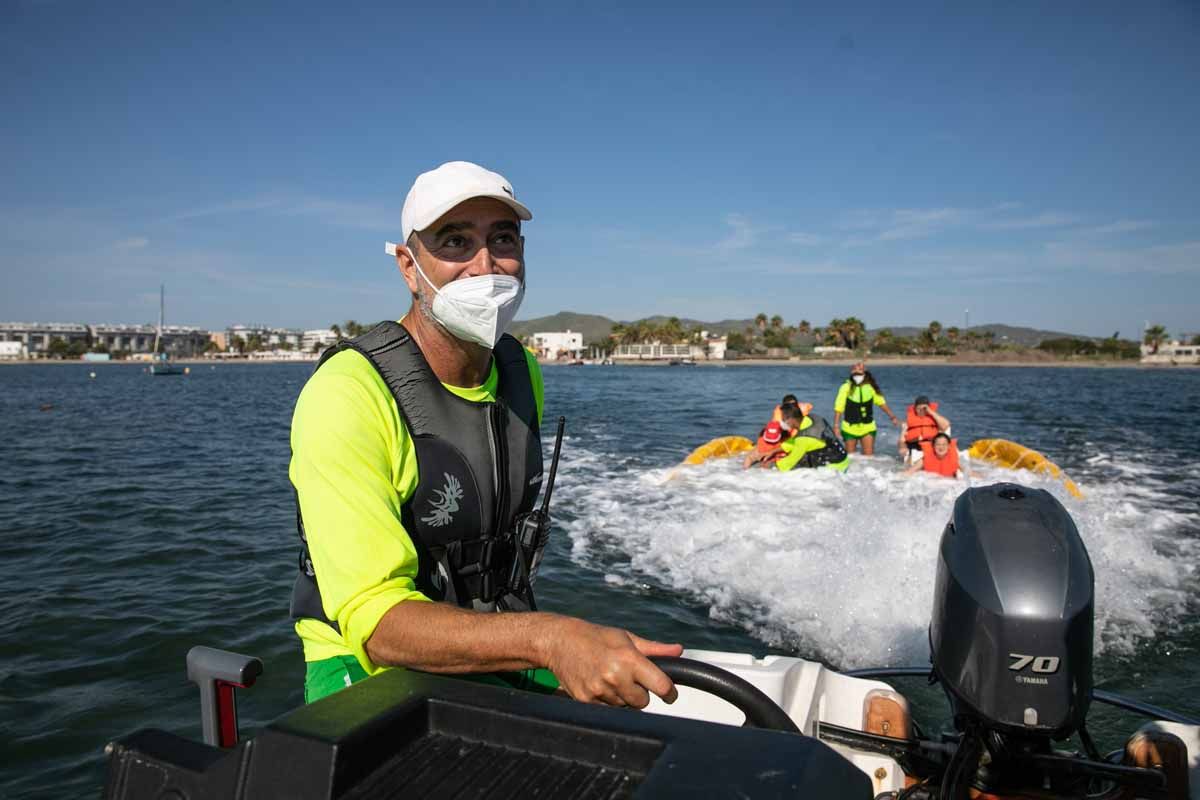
[902, 361]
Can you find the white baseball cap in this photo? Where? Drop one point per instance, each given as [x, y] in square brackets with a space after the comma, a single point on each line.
[435, 192]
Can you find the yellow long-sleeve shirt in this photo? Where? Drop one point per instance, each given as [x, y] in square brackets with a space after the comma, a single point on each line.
[354, 466]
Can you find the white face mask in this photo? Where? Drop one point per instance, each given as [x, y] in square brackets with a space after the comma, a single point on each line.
[858, 379]
[476, 309]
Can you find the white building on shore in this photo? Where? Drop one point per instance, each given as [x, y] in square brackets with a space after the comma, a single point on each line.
[37, 336]
[657, 351]
[1175, 352]
[710, 348]
[177, 340]
[283, 355]
[266, 336]
[13, 351]
[315, 341]
[557, 345]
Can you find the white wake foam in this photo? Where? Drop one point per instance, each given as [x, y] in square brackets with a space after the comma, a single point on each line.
[841, 567]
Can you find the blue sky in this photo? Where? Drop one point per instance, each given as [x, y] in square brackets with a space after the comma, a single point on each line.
[1034, 163]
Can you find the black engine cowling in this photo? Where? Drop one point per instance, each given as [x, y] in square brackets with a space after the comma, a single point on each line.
[1011, 632]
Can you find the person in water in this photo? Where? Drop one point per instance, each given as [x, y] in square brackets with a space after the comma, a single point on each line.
[921, 424]
[788, 400]
[813, 443]
[766, 449]
[399, 488]
[854, 410]
[940, 457]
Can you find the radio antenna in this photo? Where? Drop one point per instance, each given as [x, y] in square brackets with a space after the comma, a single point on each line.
[558, 437]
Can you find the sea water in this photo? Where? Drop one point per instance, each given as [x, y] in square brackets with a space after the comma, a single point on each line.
[142, 515]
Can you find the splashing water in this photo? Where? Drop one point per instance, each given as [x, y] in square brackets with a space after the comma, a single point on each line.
[840, 567]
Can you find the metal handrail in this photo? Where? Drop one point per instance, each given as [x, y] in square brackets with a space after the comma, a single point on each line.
[1136, 706]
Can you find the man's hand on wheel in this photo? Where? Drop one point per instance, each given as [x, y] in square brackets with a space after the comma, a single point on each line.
[597, 664]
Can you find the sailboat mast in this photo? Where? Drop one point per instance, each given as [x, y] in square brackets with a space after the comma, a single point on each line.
[162, 288]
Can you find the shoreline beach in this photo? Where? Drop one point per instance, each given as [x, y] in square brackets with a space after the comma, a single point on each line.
[906, 361]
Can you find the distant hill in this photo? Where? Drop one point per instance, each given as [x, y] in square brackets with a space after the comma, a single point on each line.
[593, 327]
[1005, 334]
[722, 326]
[596, 328]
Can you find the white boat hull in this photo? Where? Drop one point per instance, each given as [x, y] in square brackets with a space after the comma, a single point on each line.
[812, 693]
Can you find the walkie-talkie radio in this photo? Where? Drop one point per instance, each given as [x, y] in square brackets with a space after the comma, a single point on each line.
[531, 532]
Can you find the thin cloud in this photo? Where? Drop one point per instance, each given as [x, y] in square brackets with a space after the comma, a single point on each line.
[230, 207]
[900, 224]
[1119, 227]
[789, 268]
[742, 235]
[1049, 219]
[337, 213]
[132, 243]
[1180, 258]
[806, 239]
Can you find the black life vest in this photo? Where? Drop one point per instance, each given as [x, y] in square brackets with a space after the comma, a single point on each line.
[833, 452]
[862, 410]
[480, 467]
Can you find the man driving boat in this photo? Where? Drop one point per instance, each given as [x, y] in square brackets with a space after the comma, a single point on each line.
[415, 452]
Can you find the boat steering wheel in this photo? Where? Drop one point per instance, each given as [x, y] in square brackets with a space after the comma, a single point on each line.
[760, 710]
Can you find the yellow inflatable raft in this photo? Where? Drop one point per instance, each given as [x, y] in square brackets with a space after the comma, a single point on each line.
[1010, 455]
[721, 447]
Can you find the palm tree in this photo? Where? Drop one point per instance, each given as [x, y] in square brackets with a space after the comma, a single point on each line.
[804, 328]
[1155, 336]
[929, 336]
[835, 333]
[337, 331]
[761, 321]
[853, 331]
[618, 333]
[776, 322]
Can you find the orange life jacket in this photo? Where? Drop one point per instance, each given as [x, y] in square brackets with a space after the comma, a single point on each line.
[947, 466]
[764, 447]
[921, 429]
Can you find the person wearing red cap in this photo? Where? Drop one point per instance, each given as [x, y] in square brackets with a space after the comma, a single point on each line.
[766, 450]
[416, 453]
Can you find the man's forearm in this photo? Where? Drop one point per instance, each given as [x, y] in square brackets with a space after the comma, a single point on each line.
[436, 637]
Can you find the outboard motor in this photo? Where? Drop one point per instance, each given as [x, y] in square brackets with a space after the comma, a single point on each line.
[1011, 632]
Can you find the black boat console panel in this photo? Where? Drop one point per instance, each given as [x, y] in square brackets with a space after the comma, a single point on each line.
[412, 735]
